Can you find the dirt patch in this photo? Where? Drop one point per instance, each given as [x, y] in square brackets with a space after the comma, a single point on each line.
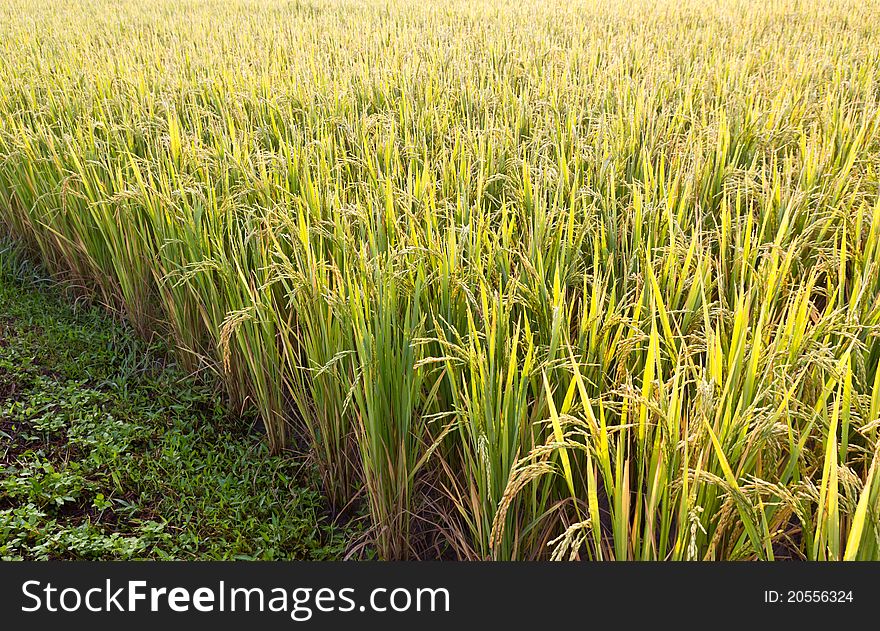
[9, 386]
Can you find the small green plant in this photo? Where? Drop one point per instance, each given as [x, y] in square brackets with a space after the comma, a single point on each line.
[109, 452]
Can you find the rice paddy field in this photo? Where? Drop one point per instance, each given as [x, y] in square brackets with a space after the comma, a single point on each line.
[583, 279]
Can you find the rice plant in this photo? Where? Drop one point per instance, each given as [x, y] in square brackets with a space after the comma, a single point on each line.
[541, 279]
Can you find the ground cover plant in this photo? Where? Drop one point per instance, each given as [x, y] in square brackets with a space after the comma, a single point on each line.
[557, 279]
[109, 452]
